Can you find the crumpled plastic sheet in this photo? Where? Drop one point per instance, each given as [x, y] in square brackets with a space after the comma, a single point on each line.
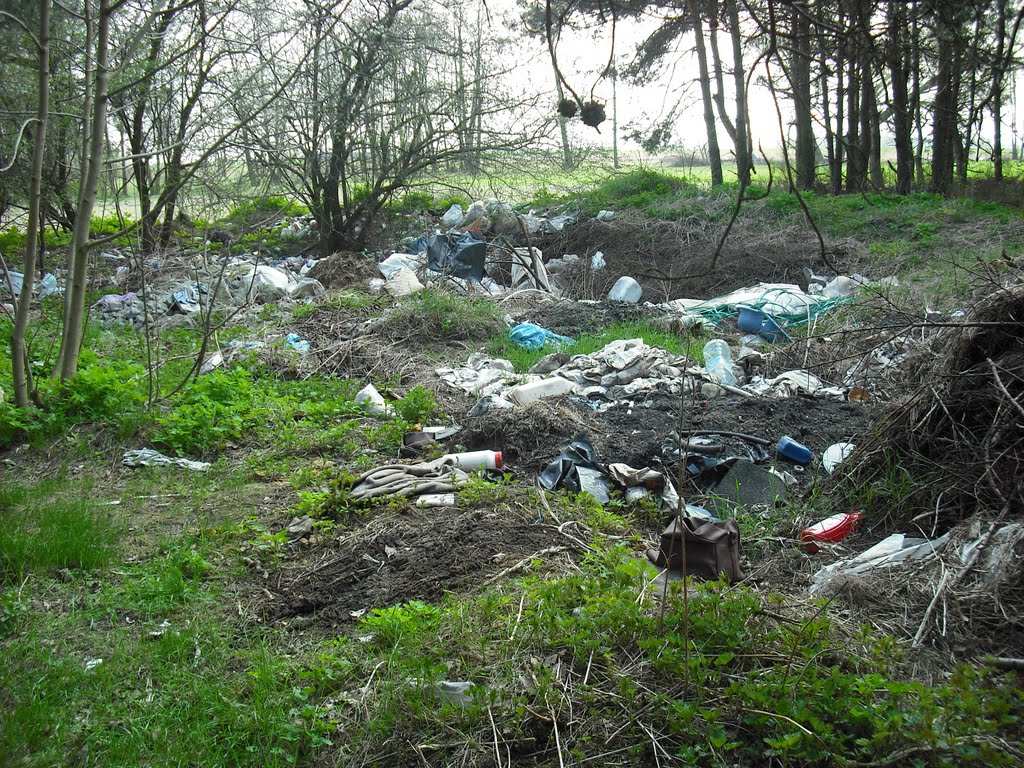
[793, 383]
[480, 375]
[886, 553]
[530, 336]
[576, 469]
[147, 457]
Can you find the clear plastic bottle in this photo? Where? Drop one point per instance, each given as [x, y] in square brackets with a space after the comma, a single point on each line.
[718, 360]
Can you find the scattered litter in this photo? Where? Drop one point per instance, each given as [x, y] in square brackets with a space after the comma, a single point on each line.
[91, 664]
[711, 550]
[528, 270]
[530, 336]
[745, 485]
[605, 216]
[480, 375]
[626, 289]
[147, 457]
[489, 402]
[470, 460]
[830, 530]
[787, 304]
[372, 400]
[835, 455]
[453, 217]
[398, 261]
[845, 286]
[888, 552]
[761, 323]
[521, 394]
[403, 282]
[576, 469]
[48, 286]
[296, 342]
[300, 527]
[998, 556]
[435, 500]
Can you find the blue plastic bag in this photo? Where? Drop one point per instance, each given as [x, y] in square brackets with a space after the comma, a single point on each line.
[532, 336]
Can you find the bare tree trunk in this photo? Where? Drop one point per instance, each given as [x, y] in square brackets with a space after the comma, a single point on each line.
[615, 119]
[944, 132]
[898, 54]
[78, 260]
[855, 165]
[743, 143]
[710, 124]
[800, 69]
[873, 133]
[737, 129]
[997, 94]
[915, 92]
[19, 349]
[567, 162]
[842, 85]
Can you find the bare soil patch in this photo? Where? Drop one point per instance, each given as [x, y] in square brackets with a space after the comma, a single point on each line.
[419, 554]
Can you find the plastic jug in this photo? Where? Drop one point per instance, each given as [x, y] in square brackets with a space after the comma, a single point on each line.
[470, 460]
[553, 386]
[718, 361]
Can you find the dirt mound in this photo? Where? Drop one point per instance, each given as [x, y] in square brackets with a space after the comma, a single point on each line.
[414, 555]
[670, 259]
[343, 269]
[960, 434]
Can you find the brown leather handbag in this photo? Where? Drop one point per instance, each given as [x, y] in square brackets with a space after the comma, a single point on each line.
[712, 549]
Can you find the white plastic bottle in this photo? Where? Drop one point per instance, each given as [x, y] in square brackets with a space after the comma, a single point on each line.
[471, 460]
[718, 360]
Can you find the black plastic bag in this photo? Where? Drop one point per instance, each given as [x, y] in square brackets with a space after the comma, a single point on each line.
[576, 469]
[460, 255]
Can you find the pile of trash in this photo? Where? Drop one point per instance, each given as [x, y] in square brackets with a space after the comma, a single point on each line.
[624, 371]
[236, 285]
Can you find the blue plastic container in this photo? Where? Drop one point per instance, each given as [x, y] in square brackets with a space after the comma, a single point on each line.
[794, 451]
[760, 322]
[750, 319]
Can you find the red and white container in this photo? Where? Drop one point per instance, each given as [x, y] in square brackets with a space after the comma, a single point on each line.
[830, 530]
[470, 460]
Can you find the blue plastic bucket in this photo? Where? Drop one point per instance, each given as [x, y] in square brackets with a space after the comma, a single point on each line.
[750, 319]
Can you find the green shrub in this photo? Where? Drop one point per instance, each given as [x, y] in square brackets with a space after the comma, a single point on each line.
[639, 188]
[416, 407]
[265, 207]
[213, 411]
[12, 242]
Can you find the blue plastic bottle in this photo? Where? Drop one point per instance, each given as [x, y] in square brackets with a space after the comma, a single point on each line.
[794, 451]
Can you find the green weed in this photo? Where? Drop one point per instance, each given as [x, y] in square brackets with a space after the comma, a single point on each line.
[435, 315]
[53, 525]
